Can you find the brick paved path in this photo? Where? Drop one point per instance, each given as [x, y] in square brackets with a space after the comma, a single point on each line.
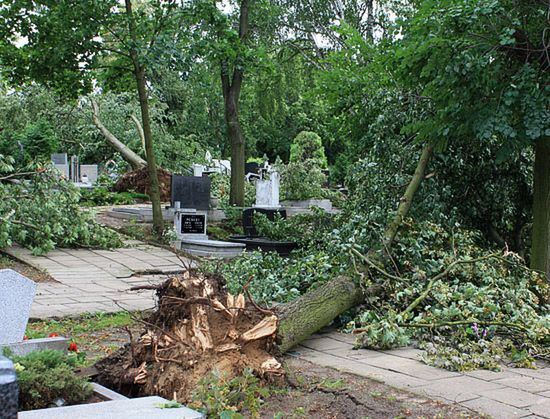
[511, 393]
[98, 280]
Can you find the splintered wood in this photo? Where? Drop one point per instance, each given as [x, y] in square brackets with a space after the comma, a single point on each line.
[197, 329]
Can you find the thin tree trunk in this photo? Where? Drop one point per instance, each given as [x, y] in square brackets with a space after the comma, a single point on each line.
[231, 88]
[315, 309]
[236, 139]
[540, 247]
[139, 74]
[406, 199]
[135, 161]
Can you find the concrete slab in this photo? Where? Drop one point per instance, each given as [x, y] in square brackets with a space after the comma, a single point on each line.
[145, 407]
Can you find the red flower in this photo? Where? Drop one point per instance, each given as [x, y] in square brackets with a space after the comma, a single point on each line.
[25, 337]
[53, 335]
[73, 347]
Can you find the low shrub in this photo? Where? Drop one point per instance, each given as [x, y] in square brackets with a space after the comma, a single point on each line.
[46, 376]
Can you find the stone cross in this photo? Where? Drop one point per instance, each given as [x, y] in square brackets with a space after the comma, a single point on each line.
[16, 295]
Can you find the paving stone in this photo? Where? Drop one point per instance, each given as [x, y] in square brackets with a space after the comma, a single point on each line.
[344, 337]
[440, 391]
[512, 397]
[364, 370]
[496, 409]
[409, 367]
[409, 353]
[324, 344]
[356, 354]
[541, 373]
[493, 375]
[525, 383]
[541, 408]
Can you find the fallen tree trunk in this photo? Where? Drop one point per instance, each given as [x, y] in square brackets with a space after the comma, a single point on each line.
[316, 309]
[132, 158]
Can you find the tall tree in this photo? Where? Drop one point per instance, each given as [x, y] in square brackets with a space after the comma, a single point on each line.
[235, 37]
[62, 44]
[483, 66]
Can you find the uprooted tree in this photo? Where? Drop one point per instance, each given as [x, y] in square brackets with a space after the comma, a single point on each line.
[199, 327]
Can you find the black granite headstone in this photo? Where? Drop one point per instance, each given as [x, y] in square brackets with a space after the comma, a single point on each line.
[248, 218]
[251, 167]
[8, 390]
[191, 191]
[193, 223]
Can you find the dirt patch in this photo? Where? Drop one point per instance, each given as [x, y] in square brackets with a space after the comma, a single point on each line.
[319, 392]
[8, 262]
[198, 328]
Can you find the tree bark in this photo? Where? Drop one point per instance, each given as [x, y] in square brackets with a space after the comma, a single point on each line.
[317, 308]
[540, 247]
[132, 158]
[231, 88]
[139, 74]
[406, 199]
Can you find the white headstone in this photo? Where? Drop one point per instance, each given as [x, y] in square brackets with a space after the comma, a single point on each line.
[16, 295]
[90, 171]
[64, 169]
[267, 191]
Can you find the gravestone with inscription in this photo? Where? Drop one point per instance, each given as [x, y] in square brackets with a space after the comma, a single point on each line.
[191, 192]
[15, 305]
[190, 224]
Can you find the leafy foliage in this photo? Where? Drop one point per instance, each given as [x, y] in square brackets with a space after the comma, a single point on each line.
[43, 213]
[308, 146]
[219, 397]
[45, 376]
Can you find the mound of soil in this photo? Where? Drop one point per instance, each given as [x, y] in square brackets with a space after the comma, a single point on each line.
[198, 328]
[138, 181]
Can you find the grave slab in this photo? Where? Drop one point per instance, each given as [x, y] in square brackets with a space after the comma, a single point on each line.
[24, 347]
[144, 407]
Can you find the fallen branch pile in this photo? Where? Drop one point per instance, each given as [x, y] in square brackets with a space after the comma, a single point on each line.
[138, 181]
[198, 328]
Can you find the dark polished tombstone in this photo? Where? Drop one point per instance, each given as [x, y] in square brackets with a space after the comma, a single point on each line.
[8, 390]
[251, 167]
[248, 218]
[193, 224]
[191, 191]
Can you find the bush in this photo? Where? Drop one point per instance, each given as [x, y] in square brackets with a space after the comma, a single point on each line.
[308, 146]
[45, 376]
[303, 180]
[42, 212]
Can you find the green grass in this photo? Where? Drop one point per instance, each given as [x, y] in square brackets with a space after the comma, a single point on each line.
[96, 335]
[87, 323]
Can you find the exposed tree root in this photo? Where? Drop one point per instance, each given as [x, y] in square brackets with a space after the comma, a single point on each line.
[198, 328]
[138, 181]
